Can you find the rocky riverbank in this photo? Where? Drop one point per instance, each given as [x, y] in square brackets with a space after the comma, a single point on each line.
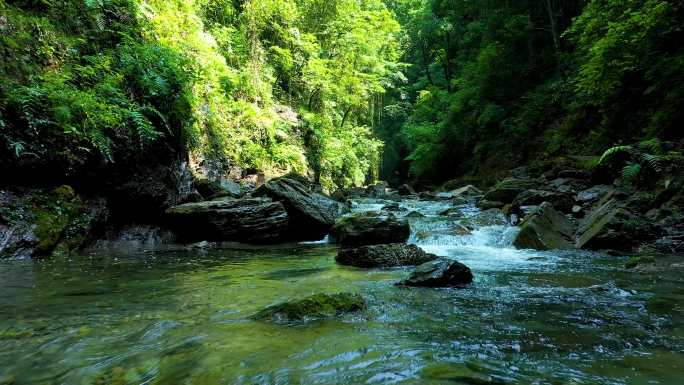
[560, 205]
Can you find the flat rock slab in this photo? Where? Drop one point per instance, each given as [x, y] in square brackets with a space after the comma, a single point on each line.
[317, 306]
[253, 220]
[440, 273]
[390, 255]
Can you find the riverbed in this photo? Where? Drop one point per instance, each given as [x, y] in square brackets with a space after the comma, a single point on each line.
[183, 316]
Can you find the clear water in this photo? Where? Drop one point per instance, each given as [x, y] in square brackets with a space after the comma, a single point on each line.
[182, 317]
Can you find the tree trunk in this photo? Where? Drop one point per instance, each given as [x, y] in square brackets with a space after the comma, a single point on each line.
[346, 115]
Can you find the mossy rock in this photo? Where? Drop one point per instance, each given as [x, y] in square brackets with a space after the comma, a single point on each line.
[637, 261]
[317, 306]
[46, 222]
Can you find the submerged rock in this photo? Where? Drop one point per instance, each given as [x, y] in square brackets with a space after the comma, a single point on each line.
[311, 214]
[254, 220]
[440, 273]
[317, 306]
[545, 229]
[370, 229]
[390, 255]
[415, 214]
[637, 261]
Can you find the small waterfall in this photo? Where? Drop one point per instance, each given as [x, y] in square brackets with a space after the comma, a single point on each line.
[482, 240]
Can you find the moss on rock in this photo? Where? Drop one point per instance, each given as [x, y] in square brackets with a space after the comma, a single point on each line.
[317, 306]
[636, 261]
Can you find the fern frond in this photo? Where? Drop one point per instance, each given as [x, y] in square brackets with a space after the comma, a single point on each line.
[631, 171]
[145, 130]
[653, 161]
[652, 145]
[611, 152]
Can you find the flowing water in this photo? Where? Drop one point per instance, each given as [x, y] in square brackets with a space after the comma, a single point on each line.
[182, 317]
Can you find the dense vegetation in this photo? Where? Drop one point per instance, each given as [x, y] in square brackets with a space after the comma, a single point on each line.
[452, 87]
[494, 84]
[274, 85]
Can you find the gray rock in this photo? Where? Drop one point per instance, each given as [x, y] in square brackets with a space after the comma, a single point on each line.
[594, 193]
[40, 223]
[231, 187]
[390, 255]
[545, 229]
[440, 273]
[378, 190]
[311, 214]
[133, 238]
[560, 201]
[467, 192]
[508, 189]
[370, 229]
[613, 227]
[253, 220]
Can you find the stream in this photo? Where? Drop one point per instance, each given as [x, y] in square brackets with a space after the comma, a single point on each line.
[182, 317]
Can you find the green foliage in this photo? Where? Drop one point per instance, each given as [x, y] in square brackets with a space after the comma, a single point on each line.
[513, 82]
[106, 80]
[636, 164]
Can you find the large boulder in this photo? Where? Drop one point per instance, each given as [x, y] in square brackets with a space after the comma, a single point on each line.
[314, 307]
[143, 189]
[378, 190]
[134, 238]
[311, 213]
[508, 189]
[545, 229]
[440, 273]
[253, 220]
[210, 189]
[232, 187]
[560, 201]
[370, 229]
[391, 255]
[612, 227]
[40, 222]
